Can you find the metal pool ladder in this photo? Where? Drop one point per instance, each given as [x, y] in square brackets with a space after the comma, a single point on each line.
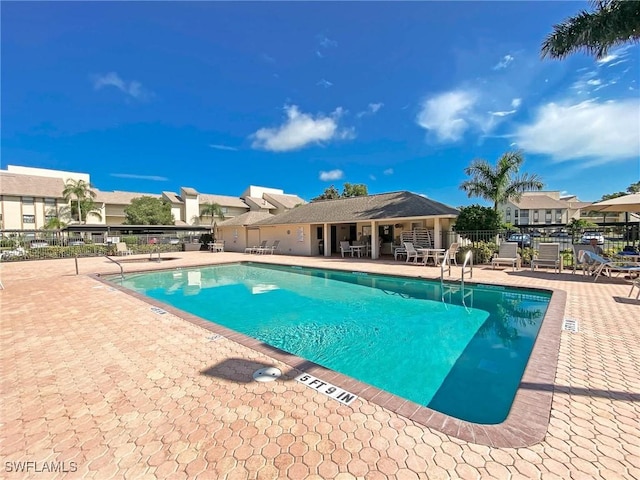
[117, 263]
[467, 267]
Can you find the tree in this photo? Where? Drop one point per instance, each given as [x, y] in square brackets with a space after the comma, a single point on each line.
[476, 217]
[214, 210]
[354, 190]
[330, 193]
[348, 190]
[613, 22]
[501, 183]
[634, 188]
[577, 225]
[81, 191]
[147, 210]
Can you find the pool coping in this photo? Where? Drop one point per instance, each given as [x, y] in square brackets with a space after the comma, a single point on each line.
[526, 423]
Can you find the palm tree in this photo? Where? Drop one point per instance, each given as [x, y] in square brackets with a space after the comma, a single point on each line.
[613, 22]
[500, 183]
[79, 189]
[211, 209]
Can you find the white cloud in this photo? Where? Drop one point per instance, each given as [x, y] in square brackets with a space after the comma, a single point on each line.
[446, 115]
[331, 175]
[112, 79]
[600, 132]
[503, 113]
[388, 171]
[223, 147]
[319, 54]
[372, 109]
[372, 177]
[155, 178]
[267, 58]
[620, 54]
[300, 130]
[326, 42]
[516, 102]
[324, 83]
[504, 62]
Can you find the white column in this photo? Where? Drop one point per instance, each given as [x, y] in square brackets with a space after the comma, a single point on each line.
[326, 237]
[375, 247]
[437, 233]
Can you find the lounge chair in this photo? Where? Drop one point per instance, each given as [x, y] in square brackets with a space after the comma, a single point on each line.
[578, 258]
[598, 264]
[548, 256]
[635, 283]
[256, 248]
[121, 249]
[507, 255]
[270, 249]
[345, 248]
[412, 252]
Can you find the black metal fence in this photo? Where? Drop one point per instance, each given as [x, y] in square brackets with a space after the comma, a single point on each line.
[38, 245]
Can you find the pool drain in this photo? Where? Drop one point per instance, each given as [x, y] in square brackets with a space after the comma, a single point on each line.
[268, 374]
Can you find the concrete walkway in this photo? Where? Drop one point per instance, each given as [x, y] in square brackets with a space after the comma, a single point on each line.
[94, 384]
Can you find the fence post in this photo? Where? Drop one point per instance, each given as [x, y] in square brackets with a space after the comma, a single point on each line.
[76, 258]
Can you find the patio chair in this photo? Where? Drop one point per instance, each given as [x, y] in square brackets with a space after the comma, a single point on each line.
[412, 252]
[507, 255]
[578, 259]
[599, 264]
[399, 251]
[121, 249]
[270, 249]
[548, 256]
[256, 248]
[452, 251]
[345, 248]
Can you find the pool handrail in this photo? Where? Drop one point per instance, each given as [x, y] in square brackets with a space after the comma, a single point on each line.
[117, 263]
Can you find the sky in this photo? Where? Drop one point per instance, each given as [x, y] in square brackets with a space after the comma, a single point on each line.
[153, 96]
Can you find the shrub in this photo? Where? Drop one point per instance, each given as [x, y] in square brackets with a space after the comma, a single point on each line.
[482, 252]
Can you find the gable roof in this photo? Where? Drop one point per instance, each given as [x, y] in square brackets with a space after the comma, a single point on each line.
[223, 200]
[30, 185]
[259, 203]
[284, 200]
[120, 198]
[528, 202]
[392, 205]
[248, 218]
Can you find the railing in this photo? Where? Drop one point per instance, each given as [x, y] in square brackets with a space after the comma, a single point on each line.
[468, 263]
[117, 263]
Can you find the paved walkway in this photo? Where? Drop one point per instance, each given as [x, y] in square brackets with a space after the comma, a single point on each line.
[96, 384]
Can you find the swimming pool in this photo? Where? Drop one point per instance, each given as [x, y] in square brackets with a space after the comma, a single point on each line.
[414, 338]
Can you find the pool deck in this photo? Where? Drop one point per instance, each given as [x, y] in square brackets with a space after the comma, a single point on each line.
[96, 383]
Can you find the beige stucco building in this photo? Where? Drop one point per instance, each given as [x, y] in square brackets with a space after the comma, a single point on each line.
[548, 208]
[29, 197]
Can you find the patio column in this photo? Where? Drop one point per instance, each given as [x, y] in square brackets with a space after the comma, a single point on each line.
[326, 238]
[437, 233]
[375, 248]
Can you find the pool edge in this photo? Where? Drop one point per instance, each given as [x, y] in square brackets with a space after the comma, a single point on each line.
[529, 416]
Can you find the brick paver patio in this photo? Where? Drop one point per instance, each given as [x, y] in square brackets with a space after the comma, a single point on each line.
[95, 383]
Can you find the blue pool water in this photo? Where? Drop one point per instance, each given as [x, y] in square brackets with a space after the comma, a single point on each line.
[405, 336]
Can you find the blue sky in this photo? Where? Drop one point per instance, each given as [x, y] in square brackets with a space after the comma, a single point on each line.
[151, 96]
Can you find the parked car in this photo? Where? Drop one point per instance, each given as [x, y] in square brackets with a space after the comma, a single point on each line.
[587, 236]
[38, 244]
[74, 242]
[560, 235]
[522, 239]
[535, 233]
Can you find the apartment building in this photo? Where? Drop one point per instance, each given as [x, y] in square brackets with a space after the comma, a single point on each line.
[538, 209]
[29, 197]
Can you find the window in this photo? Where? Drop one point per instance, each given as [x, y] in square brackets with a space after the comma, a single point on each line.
[319, 233]
[27, 200]
[508, 214]
[558, 216]
[516, 213]
[224, 209]
[535, 216]
[28, 219]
